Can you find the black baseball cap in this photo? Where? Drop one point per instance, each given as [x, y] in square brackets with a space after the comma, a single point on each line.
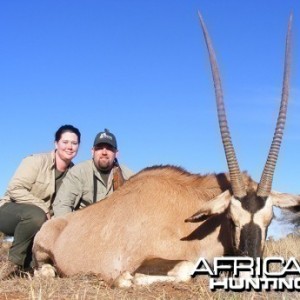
[106, 137]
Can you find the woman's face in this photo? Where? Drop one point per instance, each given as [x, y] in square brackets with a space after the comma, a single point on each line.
[67, 146]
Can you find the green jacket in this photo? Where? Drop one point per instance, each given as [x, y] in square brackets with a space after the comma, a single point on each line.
[77, 189]
[33, 181]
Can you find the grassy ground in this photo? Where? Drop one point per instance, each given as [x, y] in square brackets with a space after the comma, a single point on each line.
[91, 287]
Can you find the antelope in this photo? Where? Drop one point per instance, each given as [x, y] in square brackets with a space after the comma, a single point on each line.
[157, 225]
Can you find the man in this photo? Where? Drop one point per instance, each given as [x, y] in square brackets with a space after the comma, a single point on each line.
[92, 180]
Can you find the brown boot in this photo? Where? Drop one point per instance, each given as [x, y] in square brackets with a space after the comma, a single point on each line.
[9, 270]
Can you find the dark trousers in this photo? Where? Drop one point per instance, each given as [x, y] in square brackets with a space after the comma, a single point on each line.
[22, 221]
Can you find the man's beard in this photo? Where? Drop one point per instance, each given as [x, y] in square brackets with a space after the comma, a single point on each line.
[104, 166]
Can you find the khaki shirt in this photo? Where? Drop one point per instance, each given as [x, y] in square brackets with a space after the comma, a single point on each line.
[77, 189]
[33, 182]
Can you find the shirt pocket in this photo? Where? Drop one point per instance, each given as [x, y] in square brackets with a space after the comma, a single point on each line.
[42, 189]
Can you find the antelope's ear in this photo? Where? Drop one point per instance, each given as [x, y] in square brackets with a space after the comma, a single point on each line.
[284, 200]
[214, 206]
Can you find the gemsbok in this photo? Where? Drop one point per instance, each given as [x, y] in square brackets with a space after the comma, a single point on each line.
[163, 218]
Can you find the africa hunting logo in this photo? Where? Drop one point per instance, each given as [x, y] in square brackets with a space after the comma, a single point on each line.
[251, 274]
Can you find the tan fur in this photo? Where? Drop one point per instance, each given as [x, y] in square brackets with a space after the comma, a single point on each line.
[142, 220]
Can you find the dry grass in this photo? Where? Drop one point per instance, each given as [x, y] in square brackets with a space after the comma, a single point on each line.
[92, 287]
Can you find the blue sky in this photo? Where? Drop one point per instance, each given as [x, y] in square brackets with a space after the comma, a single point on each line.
[140, 68]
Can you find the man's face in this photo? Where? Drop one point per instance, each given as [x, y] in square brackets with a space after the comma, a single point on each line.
[104, 156]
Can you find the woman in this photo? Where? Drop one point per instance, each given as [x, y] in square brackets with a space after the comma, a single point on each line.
[27, 202]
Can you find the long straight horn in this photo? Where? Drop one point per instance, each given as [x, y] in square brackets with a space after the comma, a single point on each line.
[265, 185]
[237, 183]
